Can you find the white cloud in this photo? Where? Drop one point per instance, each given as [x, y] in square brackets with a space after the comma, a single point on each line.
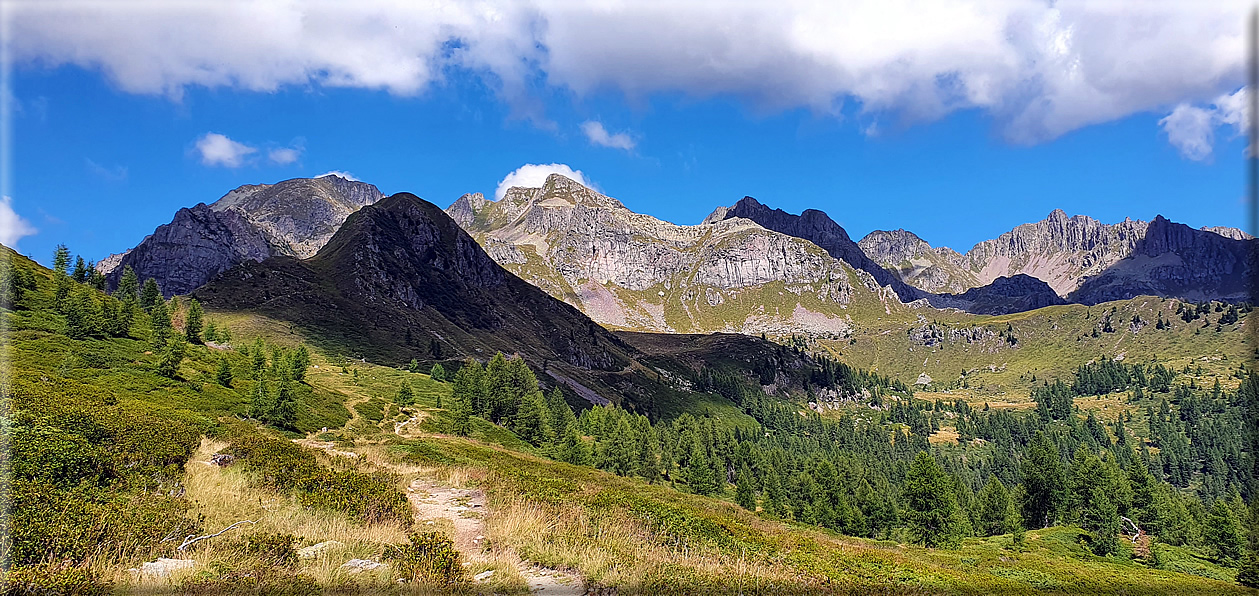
[112, 174]
[1038, 68]
[1191, 129]
[284, 155]
[534, 175]
[218, 150]
[346, 175]
[598, 135]
[12, 226]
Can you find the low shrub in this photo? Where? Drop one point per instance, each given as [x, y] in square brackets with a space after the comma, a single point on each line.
[53, 578]
[272, 548]
[285, 466]
[430, 557]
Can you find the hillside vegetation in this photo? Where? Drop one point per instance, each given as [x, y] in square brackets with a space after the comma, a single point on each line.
[446, 475]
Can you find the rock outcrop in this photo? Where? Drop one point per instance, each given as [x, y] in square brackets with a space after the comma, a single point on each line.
[935, 270]
[1004, 295]
[294, 217]
[633, 271]
[816, 227]
[1175, 260]
[1082, 260]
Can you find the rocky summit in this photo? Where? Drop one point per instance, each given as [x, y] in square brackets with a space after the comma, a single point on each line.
[633, 271]
[1081, 259]
[294, 217]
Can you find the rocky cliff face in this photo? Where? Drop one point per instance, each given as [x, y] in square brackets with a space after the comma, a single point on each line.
[1174, 260]
[1004, 295]
[910, 258]
[1059, 250]
[818, 228]
[1080, 258]
[294, 217]
[630, 270]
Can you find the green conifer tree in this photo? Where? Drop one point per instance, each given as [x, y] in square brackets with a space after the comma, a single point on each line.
[159, 318]
[437, 373]
[744, 493]
[193, 322]
[150, 294]
[223, 374]
[405, 396]
[932, 514]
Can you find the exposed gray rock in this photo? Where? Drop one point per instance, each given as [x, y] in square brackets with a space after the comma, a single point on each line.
[934, 270]
[1004, 295]
[313, 551]
[1228, 232]
[1175, 260]
[626, 269]
[294, 217]
[818, 228]
[163, 567]
[361, 565]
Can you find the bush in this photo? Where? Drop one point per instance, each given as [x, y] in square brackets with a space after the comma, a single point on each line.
[273, 549]
[289, 467]
[54, 578]
[259, 580]
[429, 558]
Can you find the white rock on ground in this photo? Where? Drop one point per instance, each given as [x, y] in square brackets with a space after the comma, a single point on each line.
[357, 565]
[163, 567]
[484, 575]
[314, 550]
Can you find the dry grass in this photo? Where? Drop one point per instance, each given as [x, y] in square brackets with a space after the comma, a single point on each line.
[225, 496]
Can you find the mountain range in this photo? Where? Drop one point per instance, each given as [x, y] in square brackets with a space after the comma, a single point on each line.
[746, 268]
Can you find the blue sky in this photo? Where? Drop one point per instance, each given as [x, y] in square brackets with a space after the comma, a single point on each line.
[105, 148]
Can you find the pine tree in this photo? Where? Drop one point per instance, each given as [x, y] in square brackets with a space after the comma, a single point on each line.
[1223, 533]
[699, 472]
[193, 322]
[1044, 483]
[261, 401]
[775, 494]
[435, 349]
[1248, 570]
[469, 388]
[128, 284]
[437, 373]
[61, 259]
[931, 507]
[405, 396]
[223, 375]
[997, 514]
[284, 411]
[172, 356]
[573, 449]
[159, 318]
[258, 358]
[299, 362]
[414, 366]
[744, 494]
[531, 420]
[79, 275]
[211, 332]
[150, 295]
[561, 413]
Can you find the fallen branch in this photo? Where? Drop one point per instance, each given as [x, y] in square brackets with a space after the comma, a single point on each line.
[193, 538]
[1136, 529]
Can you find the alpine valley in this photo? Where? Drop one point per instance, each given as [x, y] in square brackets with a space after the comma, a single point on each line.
[312, 387]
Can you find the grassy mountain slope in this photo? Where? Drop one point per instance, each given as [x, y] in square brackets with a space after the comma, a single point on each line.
[608, 531]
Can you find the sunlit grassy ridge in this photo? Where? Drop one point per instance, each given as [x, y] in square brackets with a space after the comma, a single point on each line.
[610, 530]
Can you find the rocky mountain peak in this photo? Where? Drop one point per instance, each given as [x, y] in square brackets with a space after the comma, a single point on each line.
[294, 217]
[818, 228]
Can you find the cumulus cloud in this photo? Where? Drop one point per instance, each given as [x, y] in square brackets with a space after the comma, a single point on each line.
[1191, 129]
[218, 150]
[598, 135]
[534, 175]
[1038, 68]
[12, 226]
[346, 175]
